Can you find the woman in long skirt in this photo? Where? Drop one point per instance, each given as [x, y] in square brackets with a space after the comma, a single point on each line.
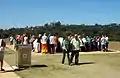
[44, 47]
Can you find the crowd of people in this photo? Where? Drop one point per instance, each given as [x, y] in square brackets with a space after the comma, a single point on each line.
[53, 43]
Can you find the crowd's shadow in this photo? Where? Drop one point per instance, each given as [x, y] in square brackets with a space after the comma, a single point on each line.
[39, 66]
[26, 67]
[32, 66]
[85, 63]
[110, 51]
[42, 66]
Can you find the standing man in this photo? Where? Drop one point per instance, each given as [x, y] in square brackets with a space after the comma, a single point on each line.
[85, 43]
[75, 49]
[66, 49]
[51, 43]
[56, 41]
[98, 43]
[82, 46]
[60, 40]
[103, 43]
[107, 43]
[2, 47]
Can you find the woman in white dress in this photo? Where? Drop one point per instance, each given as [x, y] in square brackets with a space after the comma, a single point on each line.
[25, 40]
[36, 45]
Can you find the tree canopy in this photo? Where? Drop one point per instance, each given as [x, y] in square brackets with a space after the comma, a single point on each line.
[112, 30]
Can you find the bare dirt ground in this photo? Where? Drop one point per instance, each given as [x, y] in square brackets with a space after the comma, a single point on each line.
[91, 66]
[114, 45]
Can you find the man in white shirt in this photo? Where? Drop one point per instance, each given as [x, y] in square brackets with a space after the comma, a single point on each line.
[75, 49]
[60, 40]
[2, 47]
[82, 46]
[103, 43]
[52, 46]
[85, 43]
[107, 42]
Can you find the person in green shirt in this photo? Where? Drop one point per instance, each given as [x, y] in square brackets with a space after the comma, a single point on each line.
[66, 49]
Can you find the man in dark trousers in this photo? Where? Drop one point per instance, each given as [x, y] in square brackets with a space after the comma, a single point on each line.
[75, 49]
[66, 49]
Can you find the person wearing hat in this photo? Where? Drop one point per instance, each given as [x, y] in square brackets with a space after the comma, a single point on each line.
[75, 49]
[2, 47]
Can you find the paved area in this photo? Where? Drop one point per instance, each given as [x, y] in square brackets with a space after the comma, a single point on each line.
[8, 72]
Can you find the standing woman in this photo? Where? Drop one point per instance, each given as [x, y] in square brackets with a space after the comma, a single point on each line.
[44, 48]
[25, 39]
[2, 47]
[66, 49]
[39, 41]
[36, 45]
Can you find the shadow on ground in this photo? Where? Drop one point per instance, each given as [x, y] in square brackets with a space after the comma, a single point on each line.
[110, 51]
[85, 63]
[34, 66]
[26, 67]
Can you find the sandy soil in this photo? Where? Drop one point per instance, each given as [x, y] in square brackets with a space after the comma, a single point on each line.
[114, 45]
